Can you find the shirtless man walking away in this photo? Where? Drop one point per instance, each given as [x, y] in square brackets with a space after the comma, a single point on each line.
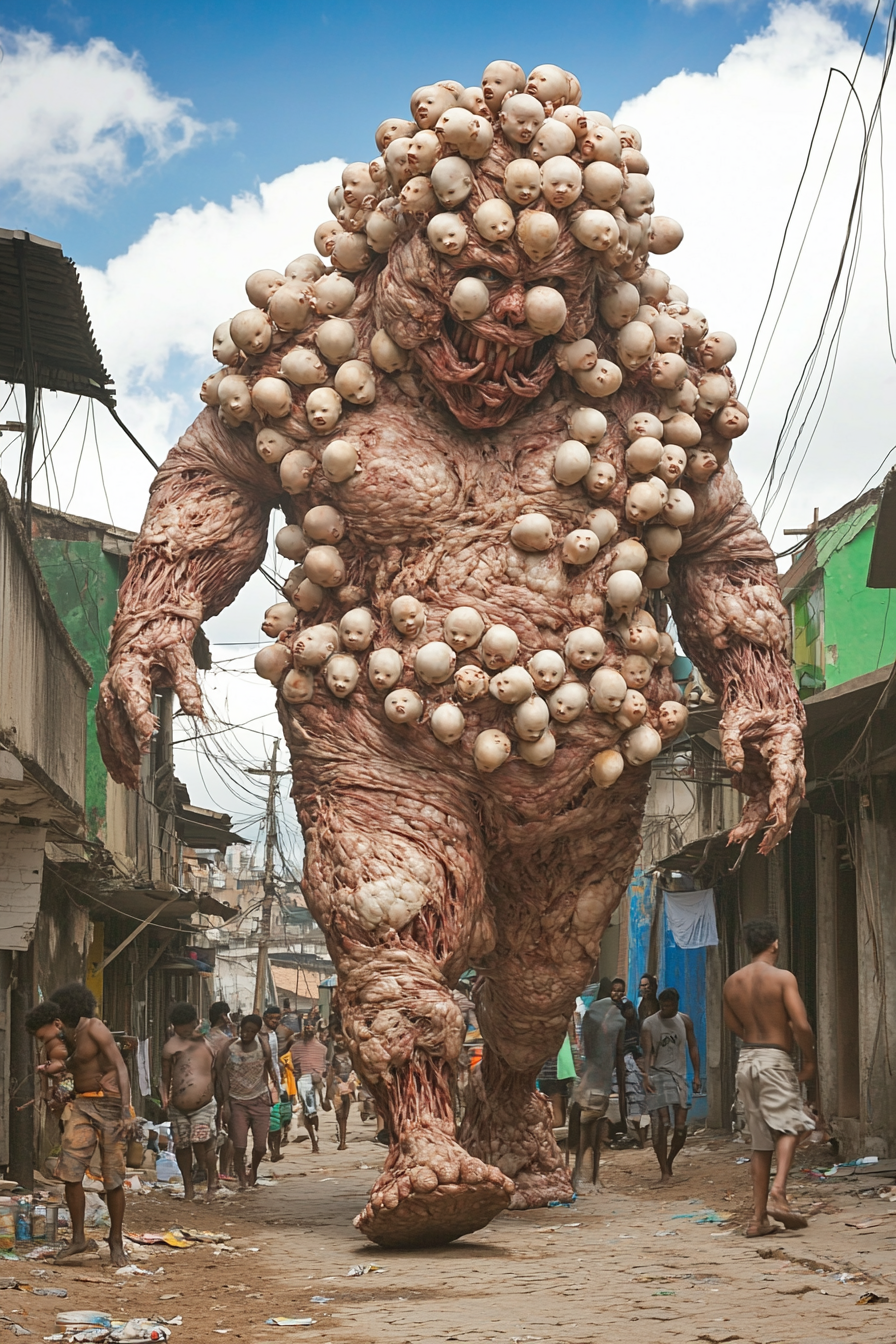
[188, 1091]
[664, 1037]
[247, 1087]
[99, 1111]
[763, 1007]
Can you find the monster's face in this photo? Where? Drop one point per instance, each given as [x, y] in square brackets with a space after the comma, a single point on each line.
[485, 368]
[499, 241]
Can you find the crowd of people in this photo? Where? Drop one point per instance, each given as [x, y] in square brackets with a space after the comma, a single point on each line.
[221, 1081]
[644, 1050]
[639, 1053]
[238, 1076]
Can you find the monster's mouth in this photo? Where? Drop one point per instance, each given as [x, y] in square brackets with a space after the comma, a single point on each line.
[486, 381]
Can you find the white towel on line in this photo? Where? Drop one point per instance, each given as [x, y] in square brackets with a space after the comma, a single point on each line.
[691, 916]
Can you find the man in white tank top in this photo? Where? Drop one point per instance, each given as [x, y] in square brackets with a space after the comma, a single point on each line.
[665, 1038]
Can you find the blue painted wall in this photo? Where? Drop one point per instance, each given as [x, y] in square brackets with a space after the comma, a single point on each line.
[642, 901]
[686, 971]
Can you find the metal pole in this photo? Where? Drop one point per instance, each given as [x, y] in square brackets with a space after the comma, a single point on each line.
[267, 905]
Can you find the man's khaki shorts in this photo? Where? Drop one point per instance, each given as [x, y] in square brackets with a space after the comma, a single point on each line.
[768, 1087]
[88, 1121]
[594, 1104]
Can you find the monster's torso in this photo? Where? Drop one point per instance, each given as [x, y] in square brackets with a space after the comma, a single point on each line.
[428, 514]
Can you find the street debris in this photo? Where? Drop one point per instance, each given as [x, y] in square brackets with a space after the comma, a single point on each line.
[290, 1320]
[356, 1271]
[869, 1299]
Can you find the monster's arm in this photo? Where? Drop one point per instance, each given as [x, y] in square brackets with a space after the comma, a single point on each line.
[204, 534]
[727, 606]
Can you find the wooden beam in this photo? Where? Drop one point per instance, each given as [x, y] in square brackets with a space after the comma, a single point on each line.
[139, 929]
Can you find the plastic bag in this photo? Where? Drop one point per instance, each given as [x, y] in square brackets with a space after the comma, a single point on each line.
[95, 1212]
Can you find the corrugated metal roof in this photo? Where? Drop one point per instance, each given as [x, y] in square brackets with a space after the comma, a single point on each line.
[65, 352]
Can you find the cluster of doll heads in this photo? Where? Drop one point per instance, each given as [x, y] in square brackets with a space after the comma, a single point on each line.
[524, 199]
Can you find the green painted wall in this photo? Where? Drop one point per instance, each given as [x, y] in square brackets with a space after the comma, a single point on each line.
[83, 583]
[859, 622]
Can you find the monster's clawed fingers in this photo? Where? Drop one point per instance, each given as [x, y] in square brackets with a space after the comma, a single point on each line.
[183, 674]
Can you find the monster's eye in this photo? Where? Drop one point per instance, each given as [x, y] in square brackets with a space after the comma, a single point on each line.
[490, 277]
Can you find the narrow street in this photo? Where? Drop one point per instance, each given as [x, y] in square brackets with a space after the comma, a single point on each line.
[635, 1261]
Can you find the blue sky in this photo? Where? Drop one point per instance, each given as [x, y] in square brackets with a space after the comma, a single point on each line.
[299, 83]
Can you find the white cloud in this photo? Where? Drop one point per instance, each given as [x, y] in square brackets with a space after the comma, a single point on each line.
[163, 298]
[154, 310]
[77, 119]
[726, 151]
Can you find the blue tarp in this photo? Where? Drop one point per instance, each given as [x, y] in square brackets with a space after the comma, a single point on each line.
[642, 900]
[686, 972]
[678, 969]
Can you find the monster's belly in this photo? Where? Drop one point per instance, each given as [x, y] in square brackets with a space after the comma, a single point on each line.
[432, 506]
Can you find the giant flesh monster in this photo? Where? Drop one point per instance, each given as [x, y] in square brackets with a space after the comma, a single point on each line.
[501, 441]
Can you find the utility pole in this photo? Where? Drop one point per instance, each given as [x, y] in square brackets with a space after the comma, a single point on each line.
[267, 904]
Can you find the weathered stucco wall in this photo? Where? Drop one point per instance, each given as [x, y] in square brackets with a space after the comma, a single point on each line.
[43, 680]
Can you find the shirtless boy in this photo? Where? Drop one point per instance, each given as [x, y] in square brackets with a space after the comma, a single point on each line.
[342, 1088]
[188, 1091]
[99, 1111]
[763, 1007]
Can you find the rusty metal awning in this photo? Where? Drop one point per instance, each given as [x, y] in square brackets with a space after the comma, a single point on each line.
[40, 289]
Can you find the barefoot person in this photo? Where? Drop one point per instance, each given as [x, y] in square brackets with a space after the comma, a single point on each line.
[342, 1088]
[664, 1037]
[279, 1039]
[309, 1060]
[603, 1036]
[188, 1091]
[99, 1111]
[247, 1086]
[763, 1007]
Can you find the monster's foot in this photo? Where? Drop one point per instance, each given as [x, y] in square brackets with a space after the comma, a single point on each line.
[535, 1188]
[432, 1192]
[509, 1123]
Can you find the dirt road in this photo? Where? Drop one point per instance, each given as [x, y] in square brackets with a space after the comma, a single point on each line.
[634, 1261]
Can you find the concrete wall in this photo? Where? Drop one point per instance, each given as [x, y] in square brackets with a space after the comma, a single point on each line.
[83, 581]
[43, 681]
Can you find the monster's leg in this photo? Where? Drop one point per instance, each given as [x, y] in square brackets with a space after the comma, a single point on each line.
[553, 889]
[393, 875]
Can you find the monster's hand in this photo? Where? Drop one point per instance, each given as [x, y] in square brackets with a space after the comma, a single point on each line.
[763, 747]
[147, 652]
[203, 535]
[734, 626]
[742, 645]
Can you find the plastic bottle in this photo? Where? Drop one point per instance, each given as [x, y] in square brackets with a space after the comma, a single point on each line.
[23, 1218]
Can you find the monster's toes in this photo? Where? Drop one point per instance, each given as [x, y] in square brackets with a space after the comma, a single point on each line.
[433, 1217]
